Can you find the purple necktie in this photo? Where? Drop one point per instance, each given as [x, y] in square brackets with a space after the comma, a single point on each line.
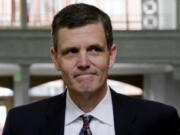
[85, 129]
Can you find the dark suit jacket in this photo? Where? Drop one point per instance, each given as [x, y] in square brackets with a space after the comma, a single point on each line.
[131, 117]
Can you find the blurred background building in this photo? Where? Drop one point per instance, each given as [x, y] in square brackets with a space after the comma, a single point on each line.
[145, 31]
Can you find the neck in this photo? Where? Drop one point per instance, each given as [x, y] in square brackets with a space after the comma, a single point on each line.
[88, 101]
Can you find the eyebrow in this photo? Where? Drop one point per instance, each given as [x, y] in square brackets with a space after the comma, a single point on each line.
[96, 46]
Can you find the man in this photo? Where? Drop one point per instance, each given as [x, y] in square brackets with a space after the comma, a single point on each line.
[84, 51]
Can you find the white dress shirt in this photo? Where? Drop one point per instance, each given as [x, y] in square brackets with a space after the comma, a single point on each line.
[101, 124]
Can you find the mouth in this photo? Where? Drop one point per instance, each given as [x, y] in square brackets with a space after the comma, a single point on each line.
[85, 75]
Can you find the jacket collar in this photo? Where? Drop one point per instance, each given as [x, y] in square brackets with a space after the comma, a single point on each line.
[55, 115]
[123, 116]
[53, 122]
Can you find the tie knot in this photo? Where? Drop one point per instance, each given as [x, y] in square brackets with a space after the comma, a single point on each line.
[85, 129]
[86, 119]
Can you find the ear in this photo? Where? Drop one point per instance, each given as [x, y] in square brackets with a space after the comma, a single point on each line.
[112, 54]
[54, 58]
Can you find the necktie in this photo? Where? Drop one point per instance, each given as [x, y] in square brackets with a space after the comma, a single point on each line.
[85, 129]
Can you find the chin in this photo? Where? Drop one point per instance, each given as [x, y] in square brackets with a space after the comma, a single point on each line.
[86, 89]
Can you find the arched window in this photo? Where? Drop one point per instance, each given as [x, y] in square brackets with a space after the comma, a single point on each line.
[6, 92]
[125, 88]
[47, 89]
[56, 87]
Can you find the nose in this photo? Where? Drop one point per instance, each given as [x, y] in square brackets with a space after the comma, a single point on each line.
[83, 61]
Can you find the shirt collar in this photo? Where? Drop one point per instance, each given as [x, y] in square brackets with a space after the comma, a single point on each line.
[71, 107]
[104, 111]
[105, 105]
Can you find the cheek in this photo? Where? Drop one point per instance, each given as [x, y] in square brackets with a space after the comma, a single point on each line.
[67, 67]
[102, 63]
[66, 64]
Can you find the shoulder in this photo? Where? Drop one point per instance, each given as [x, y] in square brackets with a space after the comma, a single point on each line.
[40, 106]
[162, 118]
[142, 106]
[32, 116]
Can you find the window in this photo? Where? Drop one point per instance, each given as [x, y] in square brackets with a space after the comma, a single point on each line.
[125, 14]
[9, 13]
[48, 89]
[57, 87]
[41, 12]
[6, 92]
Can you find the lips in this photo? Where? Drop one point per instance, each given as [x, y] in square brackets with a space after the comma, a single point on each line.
[85, 74]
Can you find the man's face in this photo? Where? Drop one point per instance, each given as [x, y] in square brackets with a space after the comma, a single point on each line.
[83, 58]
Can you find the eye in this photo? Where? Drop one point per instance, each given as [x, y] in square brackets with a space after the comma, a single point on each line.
[70, 51]
[95, 49]
[73, 50]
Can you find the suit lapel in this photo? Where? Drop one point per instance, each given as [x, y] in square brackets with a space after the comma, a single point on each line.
[123, 116]
[53, 122]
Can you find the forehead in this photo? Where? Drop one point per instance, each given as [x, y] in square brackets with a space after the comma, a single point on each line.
[88, 34]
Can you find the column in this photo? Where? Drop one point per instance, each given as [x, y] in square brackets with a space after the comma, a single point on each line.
[163, 87]
[155, 87]
[21, 85]
[24, 14]
[177, 13]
